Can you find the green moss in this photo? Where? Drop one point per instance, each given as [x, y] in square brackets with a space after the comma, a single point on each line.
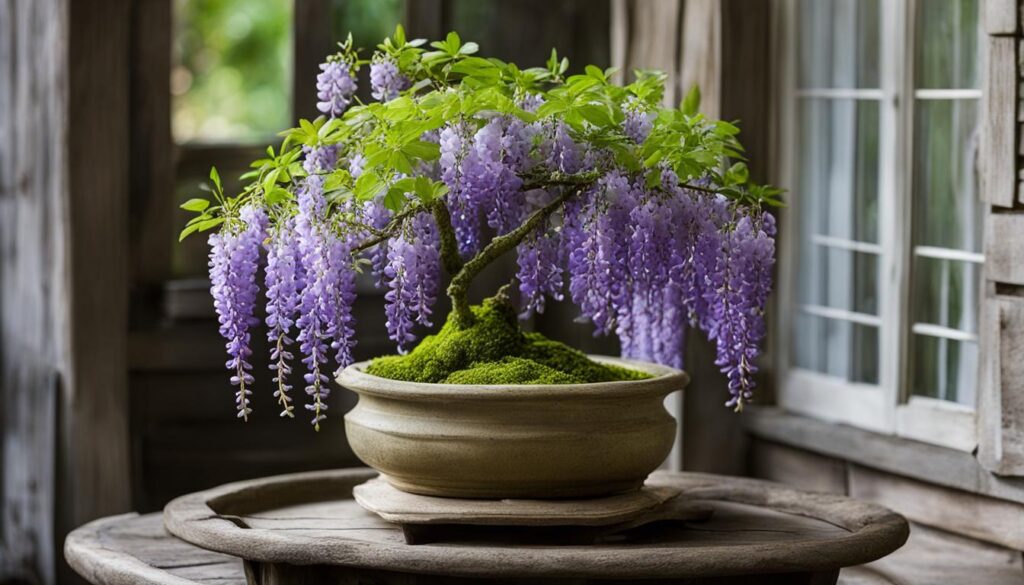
[495, 351]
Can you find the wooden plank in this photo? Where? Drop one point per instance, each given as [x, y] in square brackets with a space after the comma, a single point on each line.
[95, 479]
[646, 35]
[700, 54]
[1004, 247]
[152, 154]
[1000, 16]
[133, 549]
[33, 285]
[985, 519]
[1002, 385]
[934, 556]
[314, 41]
[797, 467]
[998, 147]
[930, 463]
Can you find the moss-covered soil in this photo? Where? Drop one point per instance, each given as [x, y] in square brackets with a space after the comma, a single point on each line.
[495, 351]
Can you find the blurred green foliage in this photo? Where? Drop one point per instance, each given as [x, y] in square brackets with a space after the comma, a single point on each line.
[232, 69]
[231, 78]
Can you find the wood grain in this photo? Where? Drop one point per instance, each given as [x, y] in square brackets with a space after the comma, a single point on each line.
[95, 478]
[1004, 248]
[1000, 16]
[136, 550]
[33, 286]
[998, 150]
[914, 459]
[933, 556]
[63, 272]
[1002, 385]
[985, 519]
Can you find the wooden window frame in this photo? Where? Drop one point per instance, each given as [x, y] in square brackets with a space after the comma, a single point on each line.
[888, 406]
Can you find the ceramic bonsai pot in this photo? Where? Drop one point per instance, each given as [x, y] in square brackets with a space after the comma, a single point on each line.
[513, 441]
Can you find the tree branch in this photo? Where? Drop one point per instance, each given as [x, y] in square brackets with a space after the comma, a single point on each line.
[449, 244]
[459, 286]
[388, 231]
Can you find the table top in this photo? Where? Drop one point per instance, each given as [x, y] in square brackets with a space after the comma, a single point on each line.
[136, 550]
[757, 527]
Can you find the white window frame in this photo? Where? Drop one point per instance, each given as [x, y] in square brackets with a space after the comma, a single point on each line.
[888, 406]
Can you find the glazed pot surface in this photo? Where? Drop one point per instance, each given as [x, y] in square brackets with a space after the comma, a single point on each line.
[513, 441]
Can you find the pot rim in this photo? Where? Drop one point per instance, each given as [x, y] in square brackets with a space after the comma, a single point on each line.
[665, 380]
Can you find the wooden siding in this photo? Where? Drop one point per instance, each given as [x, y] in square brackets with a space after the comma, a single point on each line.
[64, 98]
[1001, 377]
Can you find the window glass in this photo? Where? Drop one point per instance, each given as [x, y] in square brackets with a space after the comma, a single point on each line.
[839, 43]
[946, 51]
[838, 173]
[945, 272]
[230, 77]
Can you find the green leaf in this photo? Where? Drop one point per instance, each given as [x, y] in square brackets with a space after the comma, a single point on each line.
[394, 200]
[469, 48]
[596, 115]
[197, 205]
[209, 224]
[422, 150]
[215, 177]
[188, 230]
[424, 189]
[691, 103]
[453, 42]
[277, 195]
[368, 186]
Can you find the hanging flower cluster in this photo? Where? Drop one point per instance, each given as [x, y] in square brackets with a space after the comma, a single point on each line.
[630, 210]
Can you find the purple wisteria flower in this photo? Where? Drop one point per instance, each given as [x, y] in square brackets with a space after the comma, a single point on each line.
[464, 203]
[637, 124]
[320, 159]
[386, 81]
[234, 260]
[414, 264]
[284, 284]
[334, 88]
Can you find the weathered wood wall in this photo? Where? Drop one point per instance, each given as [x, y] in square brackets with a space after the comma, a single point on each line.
[1001, 376]
[63, 274]
[33, 296]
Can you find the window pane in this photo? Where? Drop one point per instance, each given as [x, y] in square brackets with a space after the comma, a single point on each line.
[836, 348]
[839, 43]
[947, 212]
[838, 168]
[945, 369]
[945, 293]
[838, 174]
[230, 77]
[946, 55]
[837, 278]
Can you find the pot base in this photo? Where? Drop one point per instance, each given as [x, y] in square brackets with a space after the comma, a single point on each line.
[428, 519]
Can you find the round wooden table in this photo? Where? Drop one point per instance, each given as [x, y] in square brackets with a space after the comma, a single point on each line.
[306, 528]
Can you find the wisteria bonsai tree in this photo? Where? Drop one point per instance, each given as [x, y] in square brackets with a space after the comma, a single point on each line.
[644, 215]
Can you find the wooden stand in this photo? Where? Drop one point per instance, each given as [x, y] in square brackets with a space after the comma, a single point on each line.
[308, 528]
